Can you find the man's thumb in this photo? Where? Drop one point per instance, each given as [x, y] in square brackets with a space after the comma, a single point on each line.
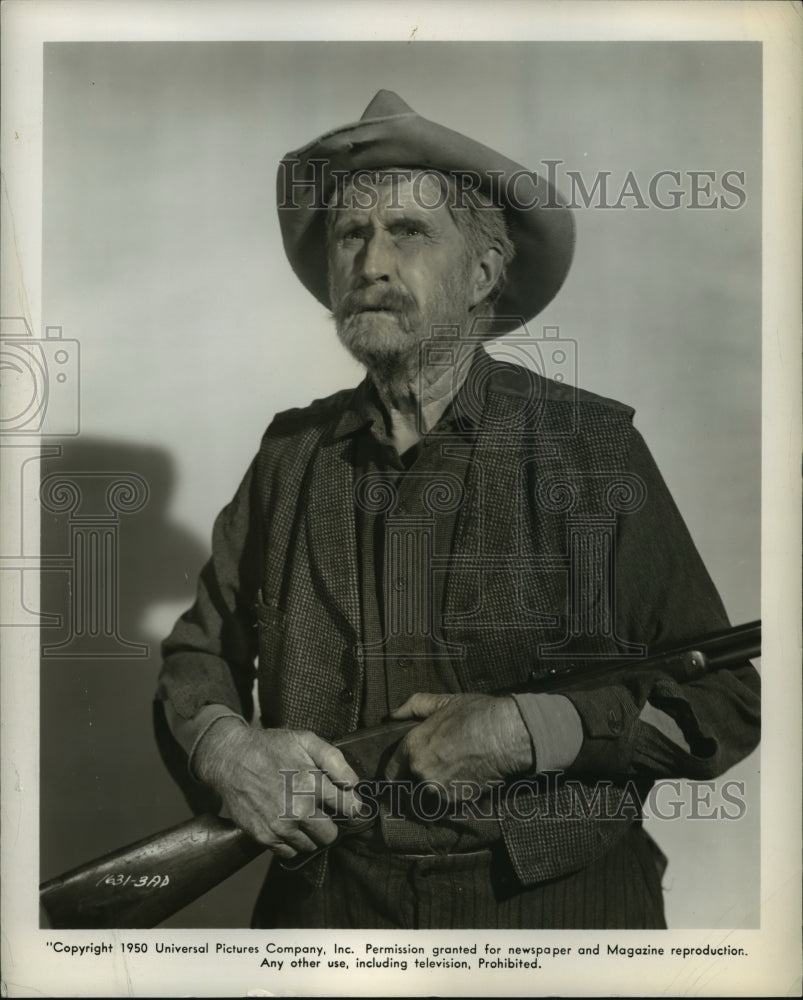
[421, 705]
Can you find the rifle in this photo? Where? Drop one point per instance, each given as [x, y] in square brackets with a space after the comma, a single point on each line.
[142, 884]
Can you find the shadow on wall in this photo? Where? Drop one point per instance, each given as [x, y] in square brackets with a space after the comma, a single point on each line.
[110, 555]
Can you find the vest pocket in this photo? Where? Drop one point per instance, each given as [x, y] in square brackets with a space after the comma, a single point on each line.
[270, 633]
[270, 625]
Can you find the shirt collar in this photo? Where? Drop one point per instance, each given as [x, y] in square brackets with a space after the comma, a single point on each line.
[365, 408]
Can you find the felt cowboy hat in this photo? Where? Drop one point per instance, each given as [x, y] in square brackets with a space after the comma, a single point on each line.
[391, 134]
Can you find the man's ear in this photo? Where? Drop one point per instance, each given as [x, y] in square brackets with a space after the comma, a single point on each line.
[484, 275]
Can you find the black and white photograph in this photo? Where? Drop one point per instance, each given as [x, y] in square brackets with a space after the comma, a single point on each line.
[401, 561]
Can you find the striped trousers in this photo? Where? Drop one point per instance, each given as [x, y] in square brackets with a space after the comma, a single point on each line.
[369, 889]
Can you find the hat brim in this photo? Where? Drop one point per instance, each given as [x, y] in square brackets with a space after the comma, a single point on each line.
[540, 225]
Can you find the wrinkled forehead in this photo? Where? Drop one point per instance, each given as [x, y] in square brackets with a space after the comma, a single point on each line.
[394, 188]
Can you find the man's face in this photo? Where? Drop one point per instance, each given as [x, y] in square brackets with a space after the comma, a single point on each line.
[396, 269]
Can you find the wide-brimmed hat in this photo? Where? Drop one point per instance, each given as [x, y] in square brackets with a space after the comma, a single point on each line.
[391, 134]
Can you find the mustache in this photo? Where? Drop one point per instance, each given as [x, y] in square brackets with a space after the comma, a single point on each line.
[373, 300]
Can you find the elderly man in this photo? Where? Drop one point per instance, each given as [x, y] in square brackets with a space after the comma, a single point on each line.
[427, 546]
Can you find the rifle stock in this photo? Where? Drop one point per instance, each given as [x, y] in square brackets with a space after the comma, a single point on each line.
[144, 883]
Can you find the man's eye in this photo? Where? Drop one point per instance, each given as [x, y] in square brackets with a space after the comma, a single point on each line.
[408, 230]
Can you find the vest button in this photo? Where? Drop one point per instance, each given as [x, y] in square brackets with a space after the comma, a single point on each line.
[347, 695]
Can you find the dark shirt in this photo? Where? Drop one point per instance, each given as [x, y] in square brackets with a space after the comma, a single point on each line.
[401, 587]
[400, 547]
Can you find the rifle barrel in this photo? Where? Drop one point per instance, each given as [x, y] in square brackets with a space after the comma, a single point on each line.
[723, 649]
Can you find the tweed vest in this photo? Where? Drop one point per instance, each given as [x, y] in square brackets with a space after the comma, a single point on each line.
[530, 584]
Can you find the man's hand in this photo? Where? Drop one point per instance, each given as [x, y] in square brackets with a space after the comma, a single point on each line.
[464, 738]
[282, 811]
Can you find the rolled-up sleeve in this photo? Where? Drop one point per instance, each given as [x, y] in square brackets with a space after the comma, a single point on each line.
[665, 595]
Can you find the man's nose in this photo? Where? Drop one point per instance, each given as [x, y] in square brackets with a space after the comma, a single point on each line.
[376, 263]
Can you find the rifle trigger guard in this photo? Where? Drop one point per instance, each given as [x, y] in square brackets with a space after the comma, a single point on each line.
[300, 860]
